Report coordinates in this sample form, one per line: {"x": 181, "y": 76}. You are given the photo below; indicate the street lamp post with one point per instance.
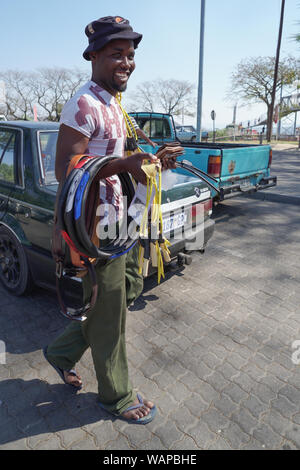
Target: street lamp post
{"x": 200, "y": 79}
{"x": 270, "y": 116}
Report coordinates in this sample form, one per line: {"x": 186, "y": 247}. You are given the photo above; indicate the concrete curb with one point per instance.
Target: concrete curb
{"x": 275, "y": 197}
{"x": 284, "y": 149}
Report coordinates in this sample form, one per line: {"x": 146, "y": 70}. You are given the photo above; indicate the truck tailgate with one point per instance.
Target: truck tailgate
{"x": 244, "y": 161}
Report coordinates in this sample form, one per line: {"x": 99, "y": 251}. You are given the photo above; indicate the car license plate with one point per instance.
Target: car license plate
{"x": 174, "y": 222}
{"x": 245, "y": 183}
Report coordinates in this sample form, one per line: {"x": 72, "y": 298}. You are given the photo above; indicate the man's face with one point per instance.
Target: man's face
{"x": 113, "y": 65}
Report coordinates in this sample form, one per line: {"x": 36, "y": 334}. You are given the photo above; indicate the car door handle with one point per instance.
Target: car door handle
{"x": 197, "y": 151}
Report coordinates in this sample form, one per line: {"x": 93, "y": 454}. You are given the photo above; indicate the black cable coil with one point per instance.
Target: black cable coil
{"x": 71, "y": 220}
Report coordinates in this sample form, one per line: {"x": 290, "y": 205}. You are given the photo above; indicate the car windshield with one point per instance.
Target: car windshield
{"x": 47, "y": 143}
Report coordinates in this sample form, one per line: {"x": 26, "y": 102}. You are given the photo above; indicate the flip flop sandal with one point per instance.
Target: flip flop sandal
{"x": 143, "y": 420}
{"x": 61, "y": 371}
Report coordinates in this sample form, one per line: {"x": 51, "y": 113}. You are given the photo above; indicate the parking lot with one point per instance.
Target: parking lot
{"x": 213, "y": 346}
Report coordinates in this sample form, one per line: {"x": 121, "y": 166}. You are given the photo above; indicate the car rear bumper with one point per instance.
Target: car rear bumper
{"x": 194, "y": 239}
{"x": 185, "y": 247}
{"x": 238, "y": 189}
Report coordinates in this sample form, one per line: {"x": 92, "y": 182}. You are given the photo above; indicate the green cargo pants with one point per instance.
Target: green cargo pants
{"x": 104, "y": 331}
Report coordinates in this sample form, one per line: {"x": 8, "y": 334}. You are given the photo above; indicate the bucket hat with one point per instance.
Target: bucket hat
{"x": 104, "y": 30}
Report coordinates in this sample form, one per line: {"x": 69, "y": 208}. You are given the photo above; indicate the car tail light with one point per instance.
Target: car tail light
{"x": 214, "y": 165}
{"x": 270, "y": 158}
{"x": 201, "y": 209}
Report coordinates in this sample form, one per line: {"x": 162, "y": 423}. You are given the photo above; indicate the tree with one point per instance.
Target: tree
{"x": 252, "y": 80}
{"x": 168, "y": 96}
{"x": 175, "y": 95}
{"x": 53, "y": 87}
{"x": 48, "y": 89}
{"x": 19, "y": 99}
{"x": 144, "y": 97}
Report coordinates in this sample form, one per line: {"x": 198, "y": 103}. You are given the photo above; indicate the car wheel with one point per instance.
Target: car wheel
{"x": 14, "y": 270}
{"x": 193, "y": 139}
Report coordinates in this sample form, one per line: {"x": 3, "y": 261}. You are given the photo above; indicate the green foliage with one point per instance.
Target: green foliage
{"x": 252, "y": 80}
{"x": 6, "y": 172}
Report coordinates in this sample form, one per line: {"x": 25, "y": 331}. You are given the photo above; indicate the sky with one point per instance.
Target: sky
{"x": 39, "y": 33}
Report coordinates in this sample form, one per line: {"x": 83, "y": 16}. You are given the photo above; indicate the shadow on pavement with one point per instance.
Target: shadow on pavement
{"x": 34, "y": 407}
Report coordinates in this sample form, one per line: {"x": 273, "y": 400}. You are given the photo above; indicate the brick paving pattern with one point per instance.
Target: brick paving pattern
{"x": 211, "y": 346}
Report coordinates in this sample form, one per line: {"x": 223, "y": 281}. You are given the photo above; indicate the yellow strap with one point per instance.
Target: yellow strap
{"x": 141, "y": 259}
{"x": 129, "y": 126}
{"x": 151, "y": 170}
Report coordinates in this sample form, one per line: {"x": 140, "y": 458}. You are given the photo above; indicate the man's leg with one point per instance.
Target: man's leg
{"x": 67, "y": 349}
{"x": 134, "y": 280}
{"x": 104, "y": 331}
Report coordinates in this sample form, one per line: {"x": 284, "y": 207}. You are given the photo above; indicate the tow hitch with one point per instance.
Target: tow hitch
{"x": 180, "y": 261}
{"x": 183, "y": 258}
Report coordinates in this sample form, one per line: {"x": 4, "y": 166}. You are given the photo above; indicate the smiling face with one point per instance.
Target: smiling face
{"x": 113, "y": 64}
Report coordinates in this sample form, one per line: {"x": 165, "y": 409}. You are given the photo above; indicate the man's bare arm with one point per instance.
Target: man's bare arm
{"x": 142, "y": 135}
{"x": 71, "y": 142}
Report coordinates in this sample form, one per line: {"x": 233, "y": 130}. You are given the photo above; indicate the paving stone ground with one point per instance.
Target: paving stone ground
{"x": 212, "y": 346}
{"x": 286, "y": 165}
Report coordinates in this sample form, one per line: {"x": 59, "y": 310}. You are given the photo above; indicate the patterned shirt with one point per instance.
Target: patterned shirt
{"x": 95, "y": 113}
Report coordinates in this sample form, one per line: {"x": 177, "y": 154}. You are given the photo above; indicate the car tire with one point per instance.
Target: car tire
{"x": 14, "y": 270}
{"x": 193, "y": 139}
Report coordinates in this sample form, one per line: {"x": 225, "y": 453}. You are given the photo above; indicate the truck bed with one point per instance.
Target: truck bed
{"x": 217, "y": 145}
{"x": 238, "y": 168}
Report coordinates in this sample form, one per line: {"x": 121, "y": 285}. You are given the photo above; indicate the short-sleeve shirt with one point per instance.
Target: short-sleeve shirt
{"x": 96, "y": 114}
{"x": 133, "y": 122}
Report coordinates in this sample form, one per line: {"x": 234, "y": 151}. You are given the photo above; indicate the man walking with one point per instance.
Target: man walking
{"x": 92, "y": 123}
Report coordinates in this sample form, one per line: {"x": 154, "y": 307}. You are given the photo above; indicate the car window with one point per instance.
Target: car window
{"x": 8, "y": 152}
{"x": 155, "y": 128}
{"x": 188, "y": 129}
{"x": 47, "y": 143}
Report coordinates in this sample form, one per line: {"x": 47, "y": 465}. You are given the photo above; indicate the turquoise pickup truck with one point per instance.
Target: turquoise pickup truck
{"x": 237, "y": 168}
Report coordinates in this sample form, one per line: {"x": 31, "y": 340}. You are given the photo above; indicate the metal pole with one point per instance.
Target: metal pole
{"x": 270, "y": 117}
{"x": 279, "y": 111}
{"x": 234, "y": 120}
{"x": 200, "y": 78}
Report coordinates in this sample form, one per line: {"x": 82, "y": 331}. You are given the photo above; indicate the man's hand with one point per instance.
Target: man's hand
{"x": 168, "y": 163}
{"x": 168, "y": 154}
{"x": 153, "y": 144}
{"x": 133, "y": 165}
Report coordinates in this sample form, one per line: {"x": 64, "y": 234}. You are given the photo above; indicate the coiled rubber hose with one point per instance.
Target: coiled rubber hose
{"x": 71, "y": 220}
{"x": 72, "y": 210}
